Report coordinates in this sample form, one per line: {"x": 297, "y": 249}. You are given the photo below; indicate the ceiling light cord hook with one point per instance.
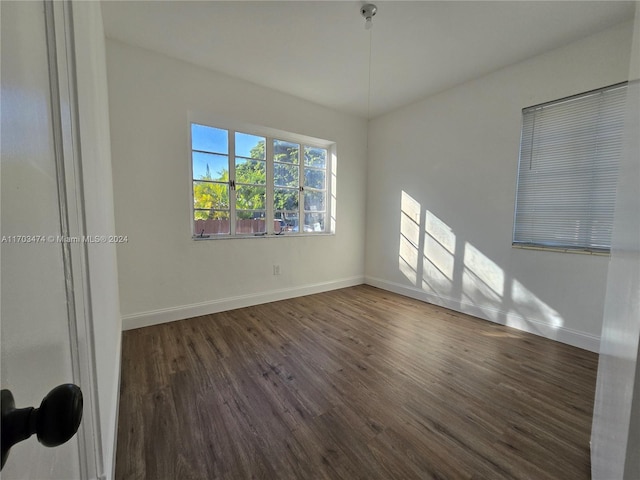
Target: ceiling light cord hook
{"x": 368, "y": 11}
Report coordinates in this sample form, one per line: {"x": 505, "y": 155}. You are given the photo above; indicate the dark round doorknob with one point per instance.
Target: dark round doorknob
{"x": 55, "y": 422}
{"x": 59, "y": 415}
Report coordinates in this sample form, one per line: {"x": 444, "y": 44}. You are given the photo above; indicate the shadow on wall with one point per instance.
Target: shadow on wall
{"x": 435, "y": 261}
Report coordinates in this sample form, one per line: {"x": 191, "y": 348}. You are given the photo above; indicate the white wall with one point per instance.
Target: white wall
{"x": 163, "y": 274}
{"x": 615, "y": 437}
{"x": 95, "y": 146}
{"x": 450, "y": 163}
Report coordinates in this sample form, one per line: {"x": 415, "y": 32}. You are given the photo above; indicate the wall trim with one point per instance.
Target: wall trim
{"x": 571, "y": 337}
{"x": 171, "y": 314}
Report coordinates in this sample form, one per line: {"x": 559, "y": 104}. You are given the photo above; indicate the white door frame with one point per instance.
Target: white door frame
{"x": 64, "y": 105}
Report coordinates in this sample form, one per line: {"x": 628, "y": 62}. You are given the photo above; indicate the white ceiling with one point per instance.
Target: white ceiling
{"x": 319, "y": 51}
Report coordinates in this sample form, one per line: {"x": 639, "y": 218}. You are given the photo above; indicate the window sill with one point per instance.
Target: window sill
{"x": 198, "y": 238}
{"x": 562, "y": 250}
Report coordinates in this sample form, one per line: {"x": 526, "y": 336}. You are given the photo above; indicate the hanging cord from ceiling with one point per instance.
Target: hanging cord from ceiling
{"x": 369, "y": 79}
{"x": 368, "y": 11}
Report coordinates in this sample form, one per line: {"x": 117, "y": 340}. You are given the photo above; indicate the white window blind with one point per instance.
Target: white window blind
{"x": 569, "y": 155}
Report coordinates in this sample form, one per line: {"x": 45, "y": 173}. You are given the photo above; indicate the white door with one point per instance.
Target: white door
{"x": 39, "y": 294}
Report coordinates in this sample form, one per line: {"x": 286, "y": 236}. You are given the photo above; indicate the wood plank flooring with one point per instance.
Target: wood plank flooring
{"x": 356, "y": 383}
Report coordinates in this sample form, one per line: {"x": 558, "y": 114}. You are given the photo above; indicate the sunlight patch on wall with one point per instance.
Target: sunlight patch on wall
{"x": 408, "y": 260}
{"x": 482, "y": 280}
{"x": 438, "y": 255}
{"x": 440, "y": 245}
{"x": 484, "y": 269}
{"x": 528, "y": 305}
{"x": 409, "y": 237}
{"x": 410, "y": 221}
{"x": 432, "y": 257}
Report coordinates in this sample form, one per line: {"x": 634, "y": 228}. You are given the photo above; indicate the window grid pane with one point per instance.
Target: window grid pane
{"x": 251, "y": 172}
{"x": 208, "y": 166}
{"x": 209, "y": 139}
{"x": 211, "y": 222}
{"x": 210, "y": 195}
{"x": 251, "y": 197}
{"x": 286, "y": 175}
{"x": 250, "y": 146}
{"x": 314, "y": 200}
{"x": 285, "y": 152}
{"x": 314, "y": 178}
{"x": 249, "y": 222}
{"x": 315, "y": 157}
{"x": 315, "y": 193}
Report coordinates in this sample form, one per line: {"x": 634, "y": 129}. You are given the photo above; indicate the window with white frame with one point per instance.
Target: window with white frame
{"x": 569, "y": 155}
{"x": 247, "y": 184}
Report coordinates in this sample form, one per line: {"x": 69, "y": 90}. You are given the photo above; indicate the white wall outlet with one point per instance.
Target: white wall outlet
{"x": 276, "y": 269}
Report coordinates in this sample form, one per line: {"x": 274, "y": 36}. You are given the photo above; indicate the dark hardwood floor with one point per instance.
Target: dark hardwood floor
{"x": 356, "y": 383}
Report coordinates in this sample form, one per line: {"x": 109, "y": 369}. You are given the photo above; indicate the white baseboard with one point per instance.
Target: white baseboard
{"x": 155, "y": 317}
{"x": 561, "y": 334}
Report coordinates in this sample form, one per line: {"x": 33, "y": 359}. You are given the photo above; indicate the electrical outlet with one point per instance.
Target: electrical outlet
{"x": 276, "y": 269}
